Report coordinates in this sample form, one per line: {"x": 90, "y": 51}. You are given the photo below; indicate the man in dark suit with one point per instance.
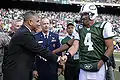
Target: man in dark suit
{"x": 18, "y": 61}
{"x": 50, "y": 41}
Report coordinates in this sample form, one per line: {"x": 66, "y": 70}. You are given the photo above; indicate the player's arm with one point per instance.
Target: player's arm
{"x": 71, "y": 51}
{"x": 64, "y": 47}
{"x": 108, "y": 36}
{"x": 74, "y": 48}
{"x": 110, "y": 47}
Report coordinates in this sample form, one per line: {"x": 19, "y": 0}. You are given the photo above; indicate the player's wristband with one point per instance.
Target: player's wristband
{"x": 105, "y": 58}
{"x": 68, "y": 54}
{"x": 68, "y": 44}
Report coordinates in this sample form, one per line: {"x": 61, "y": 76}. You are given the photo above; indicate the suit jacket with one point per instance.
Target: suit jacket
{"x": 51, "y": 43}
{"x": 18, "y": 61}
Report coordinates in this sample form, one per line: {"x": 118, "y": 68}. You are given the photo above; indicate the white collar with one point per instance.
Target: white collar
{"x": 45, "y": 34}
{"x": 28, "y": 28}
{"x": 71, "y": 36}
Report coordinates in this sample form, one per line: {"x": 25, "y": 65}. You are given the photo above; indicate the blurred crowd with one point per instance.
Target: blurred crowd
{"x": 11, "y": 19}
{"x": 8, "y": 17}
{"x": 64, "y": 1}
{"x": 101, "y": 1}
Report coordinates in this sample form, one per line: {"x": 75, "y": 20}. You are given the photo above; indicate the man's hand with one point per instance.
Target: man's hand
{"x": 100, "y": 63}
{"x": 35, "y": 74}
{"x": 62, "y": 60}
{"x": 54, "y": 52}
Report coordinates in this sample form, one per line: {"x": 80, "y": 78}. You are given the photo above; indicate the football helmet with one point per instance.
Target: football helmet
{"x": 91, "y": 9}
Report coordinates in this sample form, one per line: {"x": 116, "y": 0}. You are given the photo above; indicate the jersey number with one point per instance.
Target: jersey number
{"x": 88, "y": 42}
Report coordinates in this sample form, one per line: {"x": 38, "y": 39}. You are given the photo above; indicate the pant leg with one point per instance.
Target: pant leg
{"x": 101, "y": 73}
{"x": 1, "y": 61}
{"x": 82, "y": 75}
{"x": 1, "y": 77}
{"x": 71, "y": 71}
{"x": 68, "y": 73}
{"x": 85, "y": 75}
{"x": 110, "y": 73}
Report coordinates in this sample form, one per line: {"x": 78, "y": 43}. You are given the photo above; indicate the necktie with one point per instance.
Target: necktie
{"x": 46, "y": 41}
{"x": 45, "y": 36}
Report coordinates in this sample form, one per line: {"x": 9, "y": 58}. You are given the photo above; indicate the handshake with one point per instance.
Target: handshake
{"x": 62, "y": 59}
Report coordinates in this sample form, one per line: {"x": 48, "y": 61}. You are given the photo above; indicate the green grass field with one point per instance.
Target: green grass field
{"x": 117, "y": 60}
{"x": 117, "y": 73}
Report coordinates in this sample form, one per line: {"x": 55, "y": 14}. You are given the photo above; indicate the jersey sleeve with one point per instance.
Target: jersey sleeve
{"x": 76, "y": 35}
{"x": 107, "y": 31}
{"x": 78, "y": 27}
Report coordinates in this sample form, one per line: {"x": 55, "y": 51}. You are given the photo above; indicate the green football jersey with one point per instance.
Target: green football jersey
{"x": 65, "y": 40}
{"x": 92, "y": 45}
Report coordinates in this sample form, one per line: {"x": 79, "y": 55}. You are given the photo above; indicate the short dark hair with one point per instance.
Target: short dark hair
{"x": 70, "y": 24}
{"x": 28, "y": 15}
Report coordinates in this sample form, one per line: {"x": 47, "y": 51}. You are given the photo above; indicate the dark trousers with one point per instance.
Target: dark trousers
{"x": 46, "y": 70}
{"x": 1, "y": 77}
{"x": 110, "y": 74}
{"x": 71, "y": 70}
{"x": 1, "y": 61}
{"x": 10, "y": 74}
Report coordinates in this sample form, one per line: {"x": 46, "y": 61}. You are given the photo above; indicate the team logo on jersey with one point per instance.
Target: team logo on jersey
{"x": 78, "y": 27}
{"x": 88, "y": 66}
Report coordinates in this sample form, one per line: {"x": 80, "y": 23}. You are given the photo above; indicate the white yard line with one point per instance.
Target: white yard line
{"x": 117, "y": 59}
{"x": 117, "y": 70}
